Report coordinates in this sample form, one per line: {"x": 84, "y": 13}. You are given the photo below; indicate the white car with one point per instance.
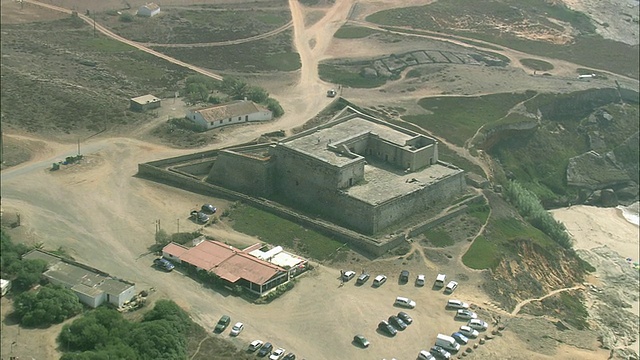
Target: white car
{"x": 478, "y": 324}
{"x": 348, "y": 275}
{"x": 457, "y": 304}
{"x": 278, "y": 354}
{"x": 420, "y": 280}
{"x": 451, "y": 286}
{"x": 255, "y": 345}
{"x": 236, "y": 329}
{"x": 466, "y": 314}
{"x": 425, "y": 355}
{"x": 405, "y": 302}
{"x": 379, "y": 280}
{"x": 468, "y": 332}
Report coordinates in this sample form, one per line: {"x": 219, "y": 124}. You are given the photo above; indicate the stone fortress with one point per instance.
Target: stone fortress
{"x": 356, "y": 171}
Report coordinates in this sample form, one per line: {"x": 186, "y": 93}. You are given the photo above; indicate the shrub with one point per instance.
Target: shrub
{"x": 126, "y": 17}
{"x": 274, "y": 106}
{"x": 531, "y": 209}
{"x": 51, "y": 305}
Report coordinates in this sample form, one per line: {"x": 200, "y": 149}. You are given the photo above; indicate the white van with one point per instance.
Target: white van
{"x": 447, "y": 342}
{"x": 440, "y": 280}
{"x": 405, "y": 302}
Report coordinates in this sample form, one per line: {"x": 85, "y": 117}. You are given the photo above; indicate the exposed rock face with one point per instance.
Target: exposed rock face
{"x": 594, "y": 171}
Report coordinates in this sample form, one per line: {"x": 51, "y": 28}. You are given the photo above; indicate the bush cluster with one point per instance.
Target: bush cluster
{"x": 23, "y": 273}
{"x": 52, "y": 304}
{"x": 531, "y": 209}
{"x": 281, "y": 289}
{"x": 105, "y": 334}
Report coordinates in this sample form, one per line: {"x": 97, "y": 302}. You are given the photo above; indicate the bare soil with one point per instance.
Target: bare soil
{"x": 102, "y": 215}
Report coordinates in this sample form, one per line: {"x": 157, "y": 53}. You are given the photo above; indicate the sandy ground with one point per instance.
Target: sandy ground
{"x": 104, "y": 216}
{"x": 593, "y": 227}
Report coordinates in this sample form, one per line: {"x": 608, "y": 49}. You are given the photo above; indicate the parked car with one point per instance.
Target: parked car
{"x": 277, "y": 354}
{"x": 331, "y": 93}
{"x": 468, "y": 332}
{"x": 466, "y": 314}
{"x": 404, "y": 276}
{"x": 440, "y": 353}
{"x": 289, "y": 356}
{"x": 425, "y": 355}
{"x": 361, "y": 341}
{"x": 208, "y": 208}
{"x": 255, "y": 345}
{"x": 199, "y": 216}
{"x": 451, "y": 286}
{"x": 222, "y": 324}
{"x": 405, "y": 317}
{"x": 265, "y": 349}
{"x": 457, "y": 304}
{"x": 460, "y": 339}
{"x": 387, "y": 328}
{"x": 379, "y": 280}
{"x": 420, "y": 280}
{"x": 163, "y": 264}
{"x": 440, "y": 280}
{"x": 478, "y": 324}
{"x": 348, "y": 275}
{"x": 362, "y": 278}
{"x": 405, "y": 302}
{"x": 397, "y": 322}
{"x": 237, "y": 329}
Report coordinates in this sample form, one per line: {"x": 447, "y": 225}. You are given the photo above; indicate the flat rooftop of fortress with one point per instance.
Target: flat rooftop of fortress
{"x": 382, "y": 184}
{"x": 315, "y": 143}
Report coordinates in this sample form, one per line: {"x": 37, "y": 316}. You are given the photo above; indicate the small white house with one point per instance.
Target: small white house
{"x": 5, "y": 285}
{"x": 586, "y": 76}
{"x": 230, "y": 113}
{"x": 149, "y": 10}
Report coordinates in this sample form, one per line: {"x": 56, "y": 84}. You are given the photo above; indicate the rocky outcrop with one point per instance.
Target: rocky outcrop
{"x": 593, "y": 171}
{"x": 486, "y": 139}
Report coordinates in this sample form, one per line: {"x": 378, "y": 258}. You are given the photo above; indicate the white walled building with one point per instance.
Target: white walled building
{"x": 149, "y": 10}
{"x": 236, "y": 112}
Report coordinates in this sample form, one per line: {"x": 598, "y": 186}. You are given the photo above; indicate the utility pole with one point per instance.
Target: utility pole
{"x": 178, "y": 220}
{"x": 78, "y": 146}
{"x": 94, "y": 23}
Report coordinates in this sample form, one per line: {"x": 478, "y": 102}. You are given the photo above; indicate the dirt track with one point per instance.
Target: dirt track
{"x": 104, "y": 216}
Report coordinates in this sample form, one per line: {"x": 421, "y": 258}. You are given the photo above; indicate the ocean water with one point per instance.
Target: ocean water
{"x": 631, "y": 212}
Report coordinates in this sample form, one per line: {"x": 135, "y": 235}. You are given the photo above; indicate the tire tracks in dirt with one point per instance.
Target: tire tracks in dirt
{"x": 518, "y": 307}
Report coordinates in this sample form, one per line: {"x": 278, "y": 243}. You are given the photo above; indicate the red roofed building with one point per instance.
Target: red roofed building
{"x": 237, "y": 267}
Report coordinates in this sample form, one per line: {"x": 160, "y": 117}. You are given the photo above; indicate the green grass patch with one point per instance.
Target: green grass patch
{"x": 284, "y": 61}
{"x": 278, "y": 231}
{"x": 439, "y": 238}
{"x": 458, "y": 118}
{"x": 338, "y": 75}
{"x": 353, "y": 32}
{"x": 479, "y": 211}
{"x": 536, "y": 64}
{"x": 104, "y": 45}
{"x": 483, "y": 254}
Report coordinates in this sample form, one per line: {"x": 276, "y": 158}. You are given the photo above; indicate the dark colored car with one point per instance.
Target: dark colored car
{"x": 397, "y": 322}
{"x": 265, "y": 349}
{"x": 163, "y": 264}
{"x": 199, "y": 216}
{"x": 387, "y": 328}
{"x": 362, "y": 279}
{"x": 208, "y": 208}
{"x": 289, "y": 356}
{"x": 222, "y": 324}
{"x": 404, "y": 276}
{"x": 405, "y": 317}
{"x": 440, "y": 353}
{"x": 361, "y": 341}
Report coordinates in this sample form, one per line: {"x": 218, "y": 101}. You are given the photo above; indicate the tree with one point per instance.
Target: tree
{"x": 158, "y": 340}
{"x": 257, "y": 94}
{"x": 274, "y": 106}
{"x": 52, "y": 304}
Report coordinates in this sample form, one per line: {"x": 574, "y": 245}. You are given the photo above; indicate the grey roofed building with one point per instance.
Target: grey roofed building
{"x": 92, "y": 286}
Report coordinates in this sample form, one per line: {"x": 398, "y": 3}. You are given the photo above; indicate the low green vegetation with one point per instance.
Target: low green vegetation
{"x": 50, "y": 304}
{"x": 278, "y": 231}
{"x": 185, "y": 25}
{"x": 483, "y": 254}
{"x": 353, "y": 32}
{"x": 439, "y": 238}
{"x": 458, "y": 118}
{"x": 482, "y": 20}
{"x": 530, "y": 208}
{"x": 275, "y": 53}
{"x": 479, "y": 211}
{"x": 536, "y": 64}
{"x": 339, "y": 75}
